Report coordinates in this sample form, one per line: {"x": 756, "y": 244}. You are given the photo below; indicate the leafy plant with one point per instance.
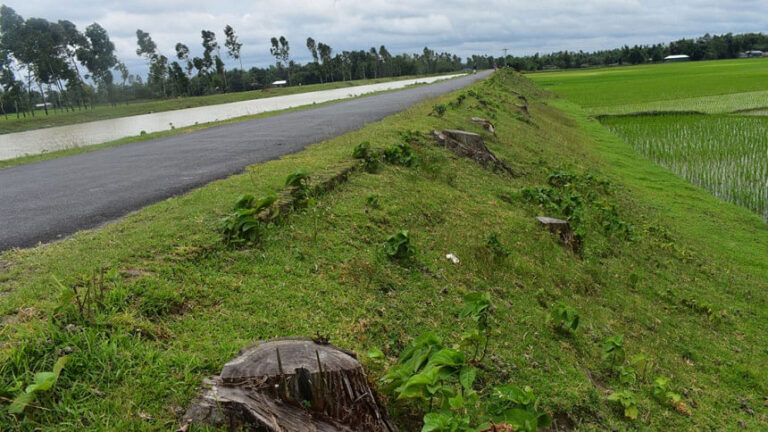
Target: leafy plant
{"x": 494, "y": 244}
{"x": 459, "y": 99}
{"x": 242, "y": 226}
{"x": 372, "y": 163}
{"x": 517, "y": 407}
{"x": 661, "y": 392}
{"x": 477, "y": 306}
{"x": 442, "y": 380}
{"x": 299, "y": 181}
{"x": 439, "y": 109}
{"x": 564, "y": 317}
{"x": 43, "y": 381}
{"x": 400, "y": 154}
{"x": 86, "y": 296}
{"x": 398, "y": 246}
{"x": 613, "y": 225}
{"x": 362, "y": 150}
{"x": 628, "y": 402}
{"x": 566, "y": 202}
{"x": 613, "y": 350}
{"x": 561, "y": 179}
{"x": 642, "y": 363}
{"x": 410, "y": 136}
{"x": 627, "y": 375}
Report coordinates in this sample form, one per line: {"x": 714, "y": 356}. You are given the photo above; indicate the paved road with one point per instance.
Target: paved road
{"x": 47, "y": 200}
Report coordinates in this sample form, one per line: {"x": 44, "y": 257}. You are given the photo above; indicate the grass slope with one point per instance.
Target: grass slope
{"x": 689, "y": 290}
{"x": 10, "y": 123}
{"x": 606, "y": 90}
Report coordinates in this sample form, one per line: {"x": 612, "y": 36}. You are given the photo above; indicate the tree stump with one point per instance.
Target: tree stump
{"x": 471, "y": 145}
{"x": 291, "y": 385}
{"x": 524, "y": 109}
{"x": 563, "y": 229}
{"x": 486, "y": 124}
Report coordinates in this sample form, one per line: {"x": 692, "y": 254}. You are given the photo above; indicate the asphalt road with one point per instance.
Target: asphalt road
{"x": 48, "y": 200}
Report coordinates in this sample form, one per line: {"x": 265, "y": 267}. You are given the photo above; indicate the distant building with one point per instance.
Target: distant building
{"x": 752, "y": 54}
{"x": 676, "y": 58}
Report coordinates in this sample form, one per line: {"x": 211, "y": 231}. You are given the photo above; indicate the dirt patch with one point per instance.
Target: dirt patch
{"x": 135, "y": 273}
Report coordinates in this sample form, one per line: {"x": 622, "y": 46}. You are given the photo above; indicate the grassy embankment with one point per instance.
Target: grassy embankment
{"x": 10, "y": 124}
{"x": 687, "y": 286}
{"x": 722, "y": 148}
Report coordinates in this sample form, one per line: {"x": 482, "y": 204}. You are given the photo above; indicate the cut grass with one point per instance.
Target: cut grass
{"x": 607, "y": 90}
{"x": 179, "y": 305}
{"x": 10, "y": 124}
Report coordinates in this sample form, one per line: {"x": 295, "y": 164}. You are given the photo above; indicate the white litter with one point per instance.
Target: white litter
{"x": 454, "y": 259}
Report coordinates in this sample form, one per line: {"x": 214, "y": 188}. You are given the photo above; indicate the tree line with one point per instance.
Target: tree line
{"x": 707, "y": 47}
{"x": 193, "y": 76}
{"x": 55, "y": 65}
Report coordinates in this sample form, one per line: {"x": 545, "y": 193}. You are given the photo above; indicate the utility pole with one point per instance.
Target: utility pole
{"x": 505, "y": 56}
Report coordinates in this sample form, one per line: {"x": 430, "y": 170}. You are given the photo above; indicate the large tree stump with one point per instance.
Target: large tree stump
{"x": 291, "y": 385}
{"x": 471, "y": 145}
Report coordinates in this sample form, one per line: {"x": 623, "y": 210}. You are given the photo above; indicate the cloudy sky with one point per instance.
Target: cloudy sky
{"x": 462, "y": 27}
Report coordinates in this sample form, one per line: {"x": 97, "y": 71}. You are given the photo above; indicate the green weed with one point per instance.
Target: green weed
{"x": 398, "y": 246}
{"x": 564, "y": 318}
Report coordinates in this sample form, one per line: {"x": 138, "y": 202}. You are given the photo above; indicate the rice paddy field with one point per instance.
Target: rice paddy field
{"x": 705, "y": 121}
{"x": 727, "y": 155}
{"x": 608, "y": 90}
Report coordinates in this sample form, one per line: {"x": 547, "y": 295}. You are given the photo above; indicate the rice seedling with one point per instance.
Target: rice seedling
{"x": 725, "y": 154}
{"x": 754, "y": 102}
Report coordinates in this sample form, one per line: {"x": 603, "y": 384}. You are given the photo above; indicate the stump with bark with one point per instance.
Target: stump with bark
{"x": 471, "y": 145}
{"x": 563, "y": 229}
{"x": 291, "y": 385}
{"x": 486, "y": 124}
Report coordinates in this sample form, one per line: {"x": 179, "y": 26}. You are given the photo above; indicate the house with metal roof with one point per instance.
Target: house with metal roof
{"x": 676, "y": 58}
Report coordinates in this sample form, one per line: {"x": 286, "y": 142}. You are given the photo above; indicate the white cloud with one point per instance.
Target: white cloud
{"x": 462, "y": 27}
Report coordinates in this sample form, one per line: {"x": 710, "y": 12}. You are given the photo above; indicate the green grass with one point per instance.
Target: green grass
{"x": 10, "y": 124}
{"x": 725, "y": 154}
{"x": 755, "y": 102}
{"x": 608, "y": 89}
{"x": 179, "y": 304}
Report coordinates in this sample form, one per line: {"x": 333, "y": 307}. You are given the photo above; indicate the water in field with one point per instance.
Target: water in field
{"x": 725, "y": 154}
{"x": 85, "y": 134}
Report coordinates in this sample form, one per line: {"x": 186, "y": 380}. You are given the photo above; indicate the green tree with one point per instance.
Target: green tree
{"x": 233, "y": 45}
{"x": 282, "y": 53}
{"x": 98, "y": 56}
{"x": 148, "y": 49}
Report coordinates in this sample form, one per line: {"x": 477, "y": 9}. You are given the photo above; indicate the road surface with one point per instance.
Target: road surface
{"x": 48, "y": 200}
{"x": 50, "y": 139}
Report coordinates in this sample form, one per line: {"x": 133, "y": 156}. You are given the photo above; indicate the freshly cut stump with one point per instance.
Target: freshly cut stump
{"x": 563, "y": 228}
{"x": 471, "y": 145}
{"x": 291, "y": 385}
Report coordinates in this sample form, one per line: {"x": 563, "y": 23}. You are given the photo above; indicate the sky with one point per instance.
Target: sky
{"x": 460, "y": 27}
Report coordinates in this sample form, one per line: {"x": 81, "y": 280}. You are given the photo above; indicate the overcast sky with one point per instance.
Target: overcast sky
{"x": 461, "y": 27}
